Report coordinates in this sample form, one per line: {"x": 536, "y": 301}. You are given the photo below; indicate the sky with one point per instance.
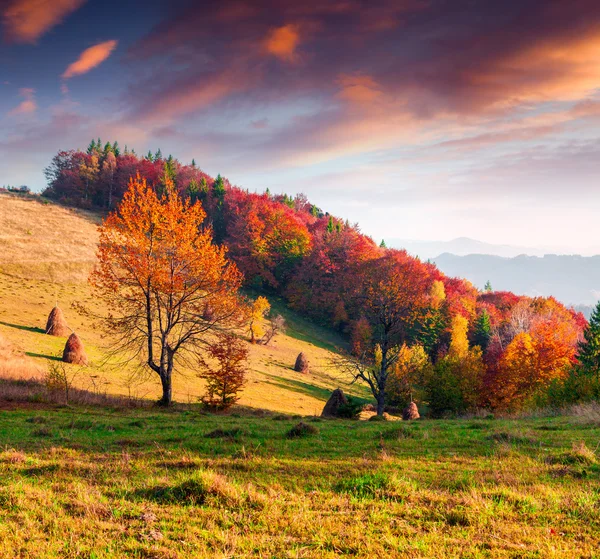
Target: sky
{"x": 418, "y": 119}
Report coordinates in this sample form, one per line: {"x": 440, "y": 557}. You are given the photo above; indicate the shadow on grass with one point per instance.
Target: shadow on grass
{"x": 42, "y": 356}
{"x": 21, "y": 327}
{"x": 299, "y": 386}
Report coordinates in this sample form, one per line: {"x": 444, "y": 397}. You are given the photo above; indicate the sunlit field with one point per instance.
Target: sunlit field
{"x": 48, "y": 252}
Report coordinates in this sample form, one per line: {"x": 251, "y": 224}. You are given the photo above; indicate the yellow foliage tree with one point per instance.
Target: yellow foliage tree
{"x": 459, "y": 343}
{"x": 409, "y": 373}
{"x": 259, "y": 309}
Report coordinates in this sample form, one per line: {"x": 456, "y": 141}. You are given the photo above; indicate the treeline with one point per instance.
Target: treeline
{"x": 429, "y": 337}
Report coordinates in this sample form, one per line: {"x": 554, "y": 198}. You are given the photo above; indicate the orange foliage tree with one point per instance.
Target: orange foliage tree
{"x": 226, "y": 376}
{"x": 158, "y": 271}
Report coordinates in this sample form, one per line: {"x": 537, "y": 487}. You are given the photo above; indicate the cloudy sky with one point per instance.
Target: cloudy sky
{"x": 420, "y": 119}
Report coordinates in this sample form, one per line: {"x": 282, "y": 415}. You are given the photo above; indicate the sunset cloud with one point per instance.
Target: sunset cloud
{"x": 90, "y": 58}
{"x": 282, "y": 42}
{"x": 28, "y": 105}
{"x": 25, "y": 21}
{"x": 358, "y": 89}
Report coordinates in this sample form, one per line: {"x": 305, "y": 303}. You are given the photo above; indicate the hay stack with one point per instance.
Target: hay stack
{"x": 410, "y": 412}
{"x": 337, "y": 399}
{"x": 56, "y": 325}
{"x": 74, "y": 352}
{"x": 301, "y": 365}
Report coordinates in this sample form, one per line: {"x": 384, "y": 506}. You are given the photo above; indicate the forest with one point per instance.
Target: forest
{"x": 412, "y": 332}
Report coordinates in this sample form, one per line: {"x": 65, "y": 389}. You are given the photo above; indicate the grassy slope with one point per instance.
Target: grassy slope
{"x": 47, "y": 252}
{"x": 149, "y": 484}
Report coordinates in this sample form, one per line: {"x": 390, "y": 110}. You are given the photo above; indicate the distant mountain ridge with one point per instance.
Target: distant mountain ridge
{"x": 572, "y": 279}
{"x": 462, "y": 246}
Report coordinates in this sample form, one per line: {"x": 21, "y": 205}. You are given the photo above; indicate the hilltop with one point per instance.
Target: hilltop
{"x": 48, "y": 251}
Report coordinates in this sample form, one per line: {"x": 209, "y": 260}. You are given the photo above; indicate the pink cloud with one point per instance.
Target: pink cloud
{"x": 28, "y": 105}
{"x": 90, "y": 58}
{"x": 25, "y": 21}
{"x": 282, "y": 42}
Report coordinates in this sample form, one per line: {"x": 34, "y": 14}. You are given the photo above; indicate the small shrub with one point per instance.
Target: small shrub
{"x": 302, "y": 430}
{"x": 42, "y": 432}
{"x": 38, "y": 420}
{"x": 231, "y": 434}
{"x": 579, "y": 455}
{"x": 351, "y": 409}
{"x": 401, "y": 432}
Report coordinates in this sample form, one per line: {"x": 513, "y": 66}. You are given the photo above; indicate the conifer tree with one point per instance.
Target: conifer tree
{"x": 92, "y": 147}
{"x": 488, "y": 287}
{"x": 116, "y": 149}
{"x": 158, "y": 155}
{"x": 589, "y": 348}
{"x": 149, "y": 156}
{"x": 483, "y": 330}
{"x": 330, "y": 225}
{"x": 382, "y": 244}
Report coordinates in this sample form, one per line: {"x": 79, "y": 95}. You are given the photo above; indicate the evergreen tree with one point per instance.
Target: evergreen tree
{"x": 158, "y": 155}
{"x": 483, "y": 330}
{"x": 126, "y": 150}
{"x": 107, "y": 148}
{"x": 92, "y": 147}
{"x": 218, "y": 192}
{"x": 589, "y": 348}
{"x": 488, "y": 287}
{"x": 330, "y": 225}
{"x": 194, "y": 163}
{"x": 149, "y": 156}
{"x": 116, "y": 149}
{"x": 382, "y": 245}
{"x": 268, "y": 192}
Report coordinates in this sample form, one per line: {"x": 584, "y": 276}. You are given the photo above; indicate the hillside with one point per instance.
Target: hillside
{"x": 572, "y": 279}
{"x": 47, "y": 252}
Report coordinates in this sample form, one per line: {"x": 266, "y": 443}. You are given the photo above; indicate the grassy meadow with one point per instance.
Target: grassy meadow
{"x": 108, "y": 483}
{"x": 112, "y": 481}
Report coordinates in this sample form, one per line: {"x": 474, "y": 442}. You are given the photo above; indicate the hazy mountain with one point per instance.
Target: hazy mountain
{"x": 574, "y": 280}
{"x": 461, "y": 247}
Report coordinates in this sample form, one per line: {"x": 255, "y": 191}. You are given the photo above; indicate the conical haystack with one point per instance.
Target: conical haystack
{"x": 74, "y": 352}
{"x": 301, "y": 365}
{"x": 337, "y": 399}
{"x": 56, "y": 325}
{"x": 410, "y": 412}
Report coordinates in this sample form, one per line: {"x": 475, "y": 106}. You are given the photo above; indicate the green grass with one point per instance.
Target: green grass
{"x": 113, "y": 483}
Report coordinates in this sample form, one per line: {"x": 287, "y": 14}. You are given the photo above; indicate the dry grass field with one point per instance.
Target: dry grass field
{"x": 46, "y": 253}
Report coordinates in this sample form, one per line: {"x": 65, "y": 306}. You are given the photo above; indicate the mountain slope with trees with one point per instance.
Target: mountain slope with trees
{"x": 492, "y": 349}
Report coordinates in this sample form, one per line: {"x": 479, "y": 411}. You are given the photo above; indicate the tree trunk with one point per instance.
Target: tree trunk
{"x": 380, "y": 402}
{"x": 166, "y": 375}
{"x": 167, "y": 389}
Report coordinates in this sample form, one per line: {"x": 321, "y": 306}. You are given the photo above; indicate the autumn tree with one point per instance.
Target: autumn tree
{"x": 454, "y": 387}
{"x": 410, "y": 372}
{"x": 158, "y": 270}
{"x": 393, "y": 297}
{"x": 258, "y": 310}
{"x": 225, "y": 371}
